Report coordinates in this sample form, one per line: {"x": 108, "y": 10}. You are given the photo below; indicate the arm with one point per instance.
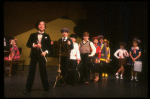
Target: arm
{"x": 30, "y": 42}
{"x": 115, "y": 54}
{"x": 93, "y": 49}
{"x": 99, "y": 53}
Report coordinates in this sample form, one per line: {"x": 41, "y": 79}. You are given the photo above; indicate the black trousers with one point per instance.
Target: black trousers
{"x": 64, "y": 66}
{"x": 71, "y": 73}
{"x": 84, "y": 70}
{"x": 42, "y": 69}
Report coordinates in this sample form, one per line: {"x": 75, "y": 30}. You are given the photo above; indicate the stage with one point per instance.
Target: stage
{"x": 108, "y": 87}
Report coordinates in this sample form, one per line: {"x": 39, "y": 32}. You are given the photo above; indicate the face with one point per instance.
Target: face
{"x": 65, "y": 34}
{"x": 105, "y": 43}
{"x": 95, "y": 41}
{"x": 134, "y": 43}
{"x": 121, "y": 46}
{"x": 85, "y": 38}
{"x": 41, "y": 26}
{"x": 101, "y": 40}
{"x": 73, "y": 39}
{"x": 13, "y": 42}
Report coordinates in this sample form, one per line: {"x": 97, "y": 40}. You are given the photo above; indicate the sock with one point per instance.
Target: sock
{"x": 135, "y": 77}
{"x": 117, "y": 74}
{"x": 132, "y": 77}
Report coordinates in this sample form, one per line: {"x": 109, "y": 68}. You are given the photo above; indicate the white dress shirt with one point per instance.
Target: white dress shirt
{"x": 64, "y": 38}
{"x": 75, "y": 53}
{"x": 92, "y": 46}
{"x": 39, "y": 39}
{"x": 121, "y": 52}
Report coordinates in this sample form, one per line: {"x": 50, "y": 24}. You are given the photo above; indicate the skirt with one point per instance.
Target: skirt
{"x": 122, "y": 62}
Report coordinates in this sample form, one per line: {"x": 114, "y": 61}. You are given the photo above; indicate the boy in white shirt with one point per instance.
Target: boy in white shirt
{"x": 74, "y": 59}
{"x": 122, "y": 58}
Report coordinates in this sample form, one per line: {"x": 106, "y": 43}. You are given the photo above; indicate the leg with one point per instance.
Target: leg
{"x": 122, "y": 70}
{"x": 87, "y": 71}
{"x": 31, "y": 74}
{"x": 43, "y": 72}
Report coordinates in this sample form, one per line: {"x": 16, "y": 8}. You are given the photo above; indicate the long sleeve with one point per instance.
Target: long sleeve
{"x": 78, "y": 53}
{"x": 115, "y": 54}
{"x": 30, "y": 41}
{"x": 93, "y": 49}
{"x": 127, "y": 54}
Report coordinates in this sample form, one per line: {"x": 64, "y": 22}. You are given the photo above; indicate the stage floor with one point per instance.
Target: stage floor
{"x": 108, "y": 87}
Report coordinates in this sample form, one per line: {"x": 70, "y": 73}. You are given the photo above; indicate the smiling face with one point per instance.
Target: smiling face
{"x": 121, "y": 46}
{"x": 134, "y": 43}
{"x": 101, "y": 40}
{"x": 105, "y": 43}
{"x": 85, "y": 38}
{"x": 65, "y": 34}
{"x": 41, "y": 26}
{"x": 13, "y": 42}
{"x": 95, "y": 41}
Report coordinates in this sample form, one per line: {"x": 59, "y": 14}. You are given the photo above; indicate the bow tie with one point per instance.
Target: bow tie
{"x": 40, "y": 33}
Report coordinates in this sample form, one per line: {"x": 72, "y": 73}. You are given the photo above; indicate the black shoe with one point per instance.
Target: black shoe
{"x": 48, "y": 90}
{"x": 26, "y": 91}
{"x": 74, "y": 84}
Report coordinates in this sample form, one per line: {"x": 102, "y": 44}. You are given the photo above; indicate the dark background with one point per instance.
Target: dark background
{"x": 117, "y": 21}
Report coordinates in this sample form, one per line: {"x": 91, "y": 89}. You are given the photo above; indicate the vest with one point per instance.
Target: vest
{"x": 85, "y": 48}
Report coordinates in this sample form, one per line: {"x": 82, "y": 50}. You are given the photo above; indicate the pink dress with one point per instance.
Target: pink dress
{"x": 16, "y": 55}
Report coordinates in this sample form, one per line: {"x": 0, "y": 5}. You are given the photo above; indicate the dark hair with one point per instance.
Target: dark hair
{"x": 94, "y": 38}
{"x": 73, "y": 35}
{"x": 100, "y": 37}
{"x": 136, "y": 40}
{"x": 86, "y": 34}
{"x": 122, "y": 43}
{"x": 64, "y": 30}
{"x": 37, "y": 24}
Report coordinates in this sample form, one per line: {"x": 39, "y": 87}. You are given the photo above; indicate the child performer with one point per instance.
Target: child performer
{"x": 103, "y": 59}
{"x": 106, "y": 43}
{"x": 96, "y": 57}
{"x": 65, "y": 59}
{"x": 135, "y": 54}
{"x": 14, "y": 51}
{"x": 85, "y": 47}
{"x": 122, "y": 61}
{"x": 74, "y": 56}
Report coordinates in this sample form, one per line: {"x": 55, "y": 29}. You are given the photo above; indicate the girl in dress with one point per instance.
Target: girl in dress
{"x": 14, "y": 51}
{"x": 122, "y": 59}
{"x": 135, "y": 53}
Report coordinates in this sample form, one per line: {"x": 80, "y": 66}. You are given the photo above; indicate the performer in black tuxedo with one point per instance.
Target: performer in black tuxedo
{"x": 65, "y": 59}
{"x": 36, "y": 42}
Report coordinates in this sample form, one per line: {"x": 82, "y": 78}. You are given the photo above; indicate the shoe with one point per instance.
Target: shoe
{"x": 106, "y": 75}
{"x": 117, "y": 75}
{"x": 121, "y": 77}
{"x": 131, "y": 78}
{"x": 26, "y": 91}
{"x": 103, "y": 74}
{"x": 136, "y": 79}
{"x": 86, "y": 83}
{"x": 48, "y": 90}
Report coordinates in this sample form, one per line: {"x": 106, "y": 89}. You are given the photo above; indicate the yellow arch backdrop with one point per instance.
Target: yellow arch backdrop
{"x": 53, "y": 29}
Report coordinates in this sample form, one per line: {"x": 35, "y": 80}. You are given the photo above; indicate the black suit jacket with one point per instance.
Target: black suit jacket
{"x": 45, "y": 42}
{"x": 71, "y": 46}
